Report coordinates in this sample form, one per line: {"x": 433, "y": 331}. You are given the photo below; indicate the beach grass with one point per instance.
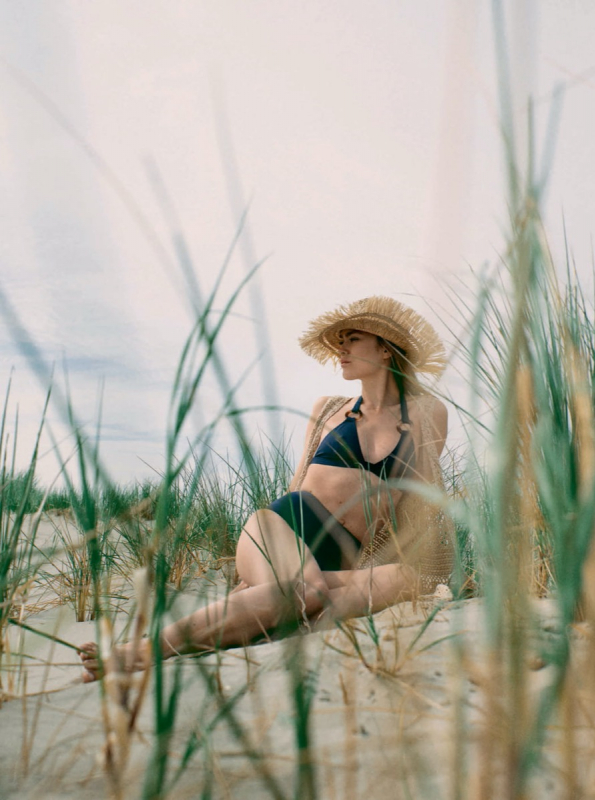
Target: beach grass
{"x": 524, "y": 520}
{"x": 523, "y": 516}
{"x": 522, "y": 498}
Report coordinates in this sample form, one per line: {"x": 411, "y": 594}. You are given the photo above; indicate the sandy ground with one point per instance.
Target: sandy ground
{"x": 381, "y": 722}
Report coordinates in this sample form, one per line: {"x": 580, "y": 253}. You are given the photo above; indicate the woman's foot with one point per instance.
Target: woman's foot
{"x": 124, "y": 658}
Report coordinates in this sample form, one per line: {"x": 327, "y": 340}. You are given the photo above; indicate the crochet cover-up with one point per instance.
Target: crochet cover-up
{"x": 420, "y": 533}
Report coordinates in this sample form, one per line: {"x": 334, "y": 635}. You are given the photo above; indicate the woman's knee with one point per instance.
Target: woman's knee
{"x": 255, "y": 535}
{"x": 255, "y": 525}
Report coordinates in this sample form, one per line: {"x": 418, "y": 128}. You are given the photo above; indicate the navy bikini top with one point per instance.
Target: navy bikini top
{"x": 341, "y": 448}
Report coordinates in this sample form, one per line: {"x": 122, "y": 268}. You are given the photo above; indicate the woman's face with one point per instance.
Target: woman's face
{"x": 361, "y": 356}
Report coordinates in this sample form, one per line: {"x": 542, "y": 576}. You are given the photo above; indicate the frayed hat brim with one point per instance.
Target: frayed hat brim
{"x": 382, "y": 316}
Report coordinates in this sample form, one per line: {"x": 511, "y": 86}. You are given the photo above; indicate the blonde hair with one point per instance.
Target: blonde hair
{"x": 401, "y": 368}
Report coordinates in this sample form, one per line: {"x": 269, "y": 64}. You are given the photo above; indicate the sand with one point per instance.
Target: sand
{"x": 382, "y": 719}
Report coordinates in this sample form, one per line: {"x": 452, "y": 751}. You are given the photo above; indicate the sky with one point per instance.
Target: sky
{"x": 360, "y": 141}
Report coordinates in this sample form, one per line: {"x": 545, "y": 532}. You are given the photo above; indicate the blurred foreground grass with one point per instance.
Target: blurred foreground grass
{"x": 522, "y": 496}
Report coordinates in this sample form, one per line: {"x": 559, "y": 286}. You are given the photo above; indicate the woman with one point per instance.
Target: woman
{"x": 352, "y": 536}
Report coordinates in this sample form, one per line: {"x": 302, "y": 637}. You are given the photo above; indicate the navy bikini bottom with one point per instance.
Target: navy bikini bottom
{"x": 332, "y": 545}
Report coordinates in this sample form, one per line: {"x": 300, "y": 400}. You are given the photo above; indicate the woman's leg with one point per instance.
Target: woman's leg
{"x": 284, "y": 580}
{"x": 240, "y": 617}
{"x": 269, "y": 551}
{"x": 355, "y": 593}
{"x": 235, "y": 620}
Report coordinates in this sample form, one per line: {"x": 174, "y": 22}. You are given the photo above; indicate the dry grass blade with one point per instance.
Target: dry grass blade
{"x": 125, "y": 691}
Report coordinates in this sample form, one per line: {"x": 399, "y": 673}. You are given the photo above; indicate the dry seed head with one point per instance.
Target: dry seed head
{"x": 140, "y": 581}
{"x": 105, "y": 637}
{"x": 582, "y": 417}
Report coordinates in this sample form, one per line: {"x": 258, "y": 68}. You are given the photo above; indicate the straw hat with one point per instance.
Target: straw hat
{"x": 382, "y": 316}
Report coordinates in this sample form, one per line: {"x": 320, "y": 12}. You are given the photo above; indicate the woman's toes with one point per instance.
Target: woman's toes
{"x": 90, "y": 670}
{"x": 122, "y": 659}
{"x": 88, "y": 655}
{"x": 88, "y": 676}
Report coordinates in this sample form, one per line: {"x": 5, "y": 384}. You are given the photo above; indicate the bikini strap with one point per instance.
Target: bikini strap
{"x": 404, "y": 410}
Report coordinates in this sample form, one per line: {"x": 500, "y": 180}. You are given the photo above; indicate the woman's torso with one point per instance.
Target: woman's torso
{"x": 359, "y": 498}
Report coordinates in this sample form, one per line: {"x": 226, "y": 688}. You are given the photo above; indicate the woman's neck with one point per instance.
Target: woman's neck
{"x": 379, "y": 394}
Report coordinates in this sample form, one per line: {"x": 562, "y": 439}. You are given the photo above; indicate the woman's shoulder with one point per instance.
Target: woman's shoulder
{"x": 327, "y": 402}
{"x": 319, "y": 404}
{"x": 429, "y": 405}
{"x": 326, "y": 407}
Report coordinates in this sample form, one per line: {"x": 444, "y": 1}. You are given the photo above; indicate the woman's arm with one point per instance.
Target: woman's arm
{"x": 316, "y": 410}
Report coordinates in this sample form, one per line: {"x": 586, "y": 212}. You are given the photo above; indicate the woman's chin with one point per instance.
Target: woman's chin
{"x": 348, "y": 375}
